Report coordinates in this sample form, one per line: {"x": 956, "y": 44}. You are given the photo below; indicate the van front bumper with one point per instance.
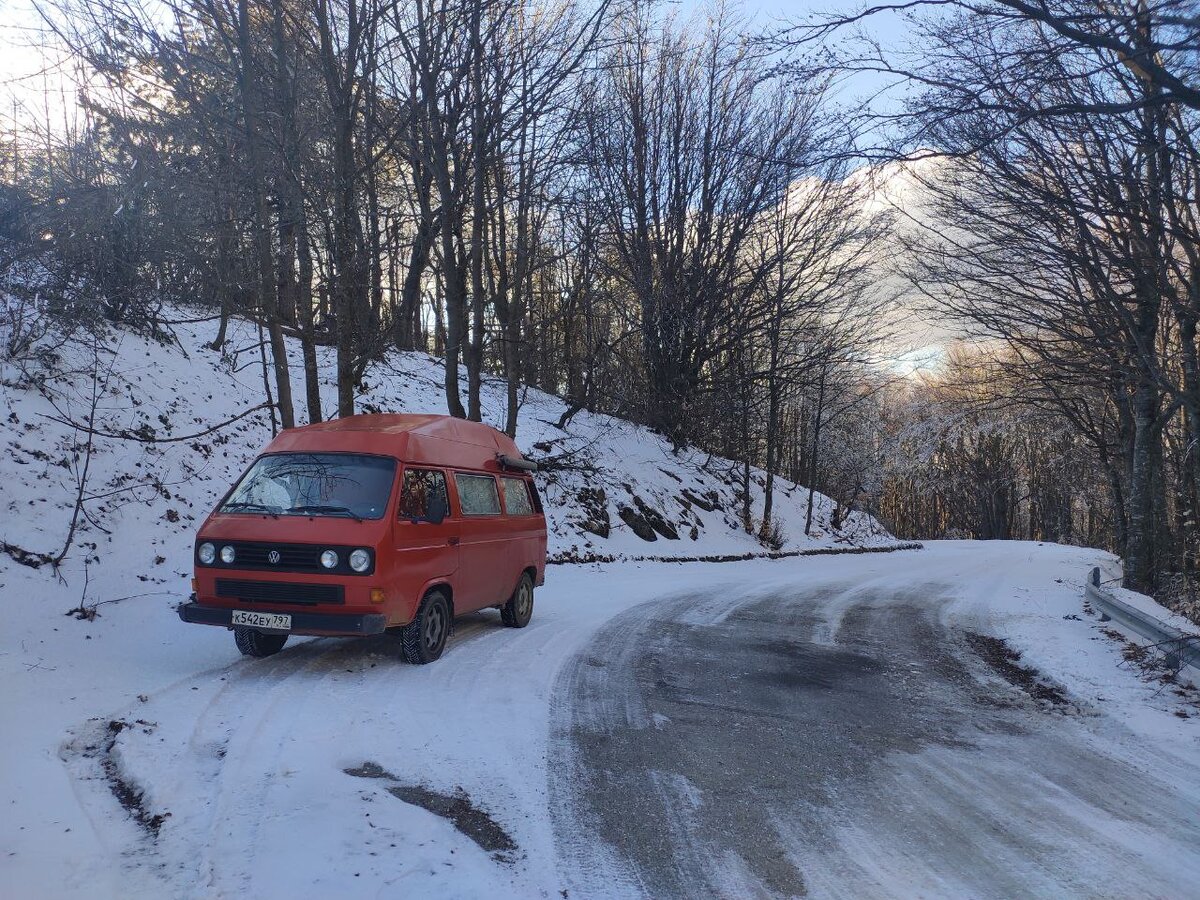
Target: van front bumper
{"x": 302, "y": 622}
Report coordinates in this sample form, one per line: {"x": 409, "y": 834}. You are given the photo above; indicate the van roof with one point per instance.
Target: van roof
{"x": 417, "y": 438}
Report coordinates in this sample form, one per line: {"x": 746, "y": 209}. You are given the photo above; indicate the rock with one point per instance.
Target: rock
{"x": 656, "y": 520}
{"x": 595, "y": 504}
{"x": 640, "y": 526}
{"x": 710, "y": 501}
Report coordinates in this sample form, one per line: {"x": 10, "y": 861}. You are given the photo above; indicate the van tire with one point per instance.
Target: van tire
{"x": 257, "y": 643}
{"x": 424, "y": 638}
{"x": 517, "y": 612}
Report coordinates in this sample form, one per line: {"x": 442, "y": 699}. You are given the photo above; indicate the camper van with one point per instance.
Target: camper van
{"x": 368, "y": 524}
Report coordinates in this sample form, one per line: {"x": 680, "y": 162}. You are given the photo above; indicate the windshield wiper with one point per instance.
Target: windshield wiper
{"x": 327, "y": 511}
{"x": 251, "y": 507}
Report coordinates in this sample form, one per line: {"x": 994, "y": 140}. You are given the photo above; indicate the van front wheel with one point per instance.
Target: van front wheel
{"x": 256, "y": 643}
{"x": 424, "y": 638}
{"x": 517, "y": 612}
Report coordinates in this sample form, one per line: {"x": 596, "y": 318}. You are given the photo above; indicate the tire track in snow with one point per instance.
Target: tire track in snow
{"x": 297, "y": 681}
{"x": 223, "y": 767}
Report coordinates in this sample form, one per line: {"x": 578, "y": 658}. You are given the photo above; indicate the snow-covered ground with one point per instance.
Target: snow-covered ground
{"x": 241, "y": 765}
{"x": 145, "y": 758}
{"x": 131, "y": 557}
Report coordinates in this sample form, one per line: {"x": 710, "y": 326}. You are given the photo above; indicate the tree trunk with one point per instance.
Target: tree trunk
{"x": 455, "y": 291}
{"x": 816, "y": 444}
{"x": 251, "y": 107}
{"x": 772, "y": 449}
{"x": 225, "y": 239}
{"x": 308, "y": 344}
{"x": 1140, "y": 562}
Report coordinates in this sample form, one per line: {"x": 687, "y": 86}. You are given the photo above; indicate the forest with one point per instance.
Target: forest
{"x": 682, "y": 217}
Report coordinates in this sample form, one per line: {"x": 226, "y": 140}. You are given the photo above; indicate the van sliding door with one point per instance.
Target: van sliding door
{"x": 426, "y": 550}
{"x": 486, "y": 543}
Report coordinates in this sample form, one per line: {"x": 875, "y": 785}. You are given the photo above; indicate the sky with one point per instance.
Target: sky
{"x": 21, "y": 61}
{"x": 22, "y": 65}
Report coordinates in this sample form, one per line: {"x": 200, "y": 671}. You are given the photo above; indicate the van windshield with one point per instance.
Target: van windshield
{"x": 315, "y": 484}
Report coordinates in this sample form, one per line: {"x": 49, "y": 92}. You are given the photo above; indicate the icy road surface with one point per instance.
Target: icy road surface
{"x": 819, "y": 726}
{"x": 845, "y": 742}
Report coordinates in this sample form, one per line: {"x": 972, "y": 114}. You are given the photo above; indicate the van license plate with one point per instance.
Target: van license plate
{"x": 279, "y": 621}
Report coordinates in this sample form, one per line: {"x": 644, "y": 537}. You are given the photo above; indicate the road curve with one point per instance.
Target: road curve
{"x": 768, "y": 746}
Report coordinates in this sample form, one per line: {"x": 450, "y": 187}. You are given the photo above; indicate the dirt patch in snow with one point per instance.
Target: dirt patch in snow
{"x": 97, "y": 742}
{"x": 1003, "y": 660}
{"x": 129, "y": 796}
{"x": 26, "y": 557}
{"x": 457, "y": 808}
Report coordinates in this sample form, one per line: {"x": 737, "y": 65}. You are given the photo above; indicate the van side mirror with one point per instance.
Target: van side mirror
{"x": 436, "y": 510}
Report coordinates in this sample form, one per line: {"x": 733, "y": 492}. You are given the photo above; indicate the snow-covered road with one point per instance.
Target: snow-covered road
{"x": 847, "y": 741}
{"x": 758, "y": 728}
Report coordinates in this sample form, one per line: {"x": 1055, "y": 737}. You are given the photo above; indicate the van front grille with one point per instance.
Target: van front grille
{"x": 302, "y": 558}
{"x": 280, "y": 592}
{"x": 292, "y": 557}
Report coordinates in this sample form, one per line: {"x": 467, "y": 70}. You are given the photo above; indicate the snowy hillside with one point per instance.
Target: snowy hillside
{"x": 612, "y": 489}
{"x": 900, "y": 192}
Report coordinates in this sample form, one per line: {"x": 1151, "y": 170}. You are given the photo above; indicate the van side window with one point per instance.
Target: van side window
{"x": 421, "y": 486}
{"x": 477, "y": 494}
{"x": 516, "y": 497}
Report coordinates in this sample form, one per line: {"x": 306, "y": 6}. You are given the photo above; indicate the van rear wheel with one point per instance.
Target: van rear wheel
{"x": 517, "y": 612}
{"x": 424, "y": 638}
{"x": 257, "y": 643}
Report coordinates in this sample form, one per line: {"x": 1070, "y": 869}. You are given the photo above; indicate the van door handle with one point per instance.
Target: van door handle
{"x": 453, "y": 542}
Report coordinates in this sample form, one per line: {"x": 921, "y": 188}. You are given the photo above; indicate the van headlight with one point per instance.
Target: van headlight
{"x": 227, "y": 555}
{"x": 360, "y": 560}
{"x": 329, "y": 559}
{"x": 207, "y": 553}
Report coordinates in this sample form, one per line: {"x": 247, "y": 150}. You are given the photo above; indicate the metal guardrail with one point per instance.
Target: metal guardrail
{"x": 1178, "y": 647}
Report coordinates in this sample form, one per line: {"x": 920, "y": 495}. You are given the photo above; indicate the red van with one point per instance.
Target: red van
{"x": 372, "y": 523}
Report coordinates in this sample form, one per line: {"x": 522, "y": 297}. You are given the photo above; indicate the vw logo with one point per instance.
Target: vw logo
{"x": 273, "y": 557}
